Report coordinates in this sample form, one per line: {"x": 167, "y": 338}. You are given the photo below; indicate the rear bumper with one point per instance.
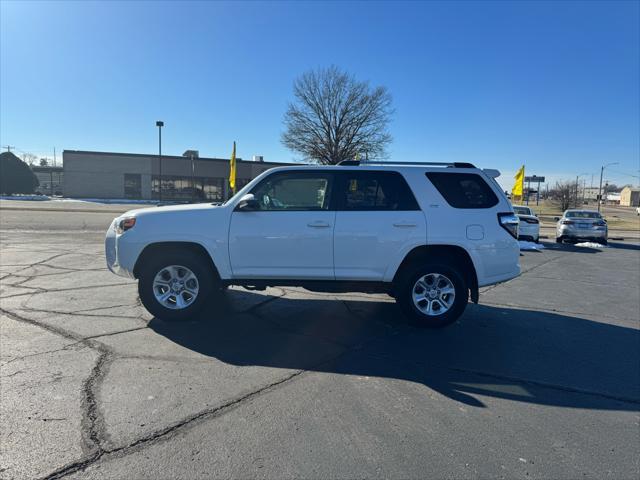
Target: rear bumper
{"x": 498, "y": 264}
{"x": 528, "y": 230}
{"x": 582, "y": 233}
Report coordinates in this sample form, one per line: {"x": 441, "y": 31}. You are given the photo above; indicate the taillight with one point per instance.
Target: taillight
{"x": 125, "y": 224}
{"x": 567, "y": 222}
{"x": 529, "y": 220}
{"x": 600, "y": 223}
{"x": 509, "y": 221}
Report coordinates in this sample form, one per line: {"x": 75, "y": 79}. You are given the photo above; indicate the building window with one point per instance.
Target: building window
{"x": 188, "y": 189}
{"x": 132, "y": 185}
{"x": 242, "y": 182}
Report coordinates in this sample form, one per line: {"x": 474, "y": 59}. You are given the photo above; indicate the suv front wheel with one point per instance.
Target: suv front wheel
{"x": 432, "y": 295}
{"x": 176, "y": 285}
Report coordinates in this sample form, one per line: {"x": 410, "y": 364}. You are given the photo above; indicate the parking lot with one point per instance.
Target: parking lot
{"x": 541, "y": 380}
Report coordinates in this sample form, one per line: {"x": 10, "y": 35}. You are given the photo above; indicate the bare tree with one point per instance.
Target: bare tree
{"x": 29, "y": 158}
{"x": 563, "y": 194}
{"x": 334, "y": 117}
{"x": 44, "y": 162}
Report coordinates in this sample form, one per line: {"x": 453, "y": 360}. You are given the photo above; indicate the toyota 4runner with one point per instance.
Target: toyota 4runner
{"x": 427, "y": 234}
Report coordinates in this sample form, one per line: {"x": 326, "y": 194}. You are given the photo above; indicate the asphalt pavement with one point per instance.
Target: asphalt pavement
{"x": 541, "y": 380}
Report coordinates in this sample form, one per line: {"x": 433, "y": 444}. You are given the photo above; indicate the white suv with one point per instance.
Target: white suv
{"x": 428, "y": 234}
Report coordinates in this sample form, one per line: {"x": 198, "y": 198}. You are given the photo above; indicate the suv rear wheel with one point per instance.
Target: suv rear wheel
{"x": 176, "y": 285}
{"x": 432, "y": 295}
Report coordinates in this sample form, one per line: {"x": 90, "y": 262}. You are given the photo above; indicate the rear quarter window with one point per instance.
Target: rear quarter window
{"x": 463, "y": 190}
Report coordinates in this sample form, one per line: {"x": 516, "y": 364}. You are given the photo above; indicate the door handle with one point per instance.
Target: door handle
{"x": 404, "y": 225}
{"x": 318, "y": 225}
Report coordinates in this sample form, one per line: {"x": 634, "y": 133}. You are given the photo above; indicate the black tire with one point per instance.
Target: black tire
{"x": 404, "y": 295}
{"x": 559, "y": 239}
{"x": 206, "y": 282}
{"x": 604, "y": 241}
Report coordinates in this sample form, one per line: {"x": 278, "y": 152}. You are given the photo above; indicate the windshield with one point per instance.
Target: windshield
{"x": 522, "y": 210}
{"x": 582, "y": 215}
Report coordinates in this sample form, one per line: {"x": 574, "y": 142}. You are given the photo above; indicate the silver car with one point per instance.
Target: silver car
{"x": 581, "y": 225}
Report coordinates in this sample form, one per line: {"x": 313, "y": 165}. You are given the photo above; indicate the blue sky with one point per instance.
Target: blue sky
{"x": 553, "y": 85}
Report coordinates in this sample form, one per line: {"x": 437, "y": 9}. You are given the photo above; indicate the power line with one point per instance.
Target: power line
{"x": 623, "y": 173}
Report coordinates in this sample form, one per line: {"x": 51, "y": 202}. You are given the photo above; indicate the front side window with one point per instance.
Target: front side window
{"x": 376, "y": 191}
{"x": 463, "y": 190}
{"x": 294, "y": 191}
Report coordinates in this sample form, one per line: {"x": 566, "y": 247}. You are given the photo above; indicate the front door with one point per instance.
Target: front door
{"x": 290, "y": 235}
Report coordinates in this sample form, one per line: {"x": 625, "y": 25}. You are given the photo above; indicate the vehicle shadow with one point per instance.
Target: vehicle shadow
{"x": 624, "y": 246}
{"x": 521, "y": 355}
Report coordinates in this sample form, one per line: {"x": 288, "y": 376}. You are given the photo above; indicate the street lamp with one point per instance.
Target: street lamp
{"x": 160, "y": 124}
{"x": 600, "y": 188}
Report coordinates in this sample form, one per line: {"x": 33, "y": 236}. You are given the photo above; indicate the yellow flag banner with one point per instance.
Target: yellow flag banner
{"x": 232, "y": 169}
{"x": 518, "y": 187}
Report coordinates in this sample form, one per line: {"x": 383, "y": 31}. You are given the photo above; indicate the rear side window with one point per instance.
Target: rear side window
{"x": 375, "y": 191}
{"x": 463, "y": 190}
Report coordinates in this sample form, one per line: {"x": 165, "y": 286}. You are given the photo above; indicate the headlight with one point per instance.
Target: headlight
{"x": 125, "y": 224}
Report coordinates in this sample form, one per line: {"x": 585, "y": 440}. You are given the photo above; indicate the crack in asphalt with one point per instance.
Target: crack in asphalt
{"x": 55, "y": 290}
{"x": 15, "y": 359}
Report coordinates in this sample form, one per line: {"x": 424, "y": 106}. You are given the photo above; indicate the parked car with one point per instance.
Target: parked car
{"x": 427, "y": 235}
{"x": 529, "y": 228}
{"x": 578, "y": 225}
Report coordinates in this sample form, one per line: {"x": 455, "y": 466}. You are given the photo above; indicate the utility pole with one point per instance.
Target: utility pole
{"x": 8, "y": 147}
{"x": 600, "y": 188}
{"x": 160, "y": 124}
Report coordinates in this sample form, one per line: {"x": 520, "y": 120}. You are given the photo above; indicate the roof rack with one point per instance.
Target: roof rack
{"x": 352, "y": 163}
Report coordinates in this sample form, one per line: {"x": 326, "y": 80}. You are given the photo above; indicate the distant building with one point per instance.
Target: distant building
{"x": 137, "y": 176}
{"x": 630, "y": 197}
{"x": 50, "y": 179}
{"x": 591, "y": 193}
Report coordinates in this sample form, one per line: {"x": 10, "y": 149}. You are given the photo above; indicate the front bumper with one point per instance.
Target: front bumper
{"x": 120, "y": 253}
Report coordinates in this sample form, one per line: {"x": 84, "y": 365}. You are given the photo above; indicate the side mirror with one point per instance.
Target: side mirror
{"x": 556, "y": 218}
{"x": 248, "y": 203}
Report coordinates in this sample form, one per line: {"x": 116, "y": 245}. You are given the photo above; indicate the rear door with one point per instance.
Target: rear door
{"x": 377, "y": 219}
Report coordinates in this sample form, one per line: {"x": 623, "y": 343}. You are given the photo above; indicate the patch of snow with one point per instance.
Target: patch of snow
{"x": 109, "y": 200}
{"x": 40, "y": 198}
{"x": 36, "y": 198}
{"x": 590, "y": 245}
{"x": 524, "y": 245}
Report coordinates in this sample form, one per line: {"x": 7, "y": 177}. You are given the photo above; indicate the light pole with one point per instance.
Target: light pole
{"x": 160, "y": 124}
{"x": 600, "y": 188}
